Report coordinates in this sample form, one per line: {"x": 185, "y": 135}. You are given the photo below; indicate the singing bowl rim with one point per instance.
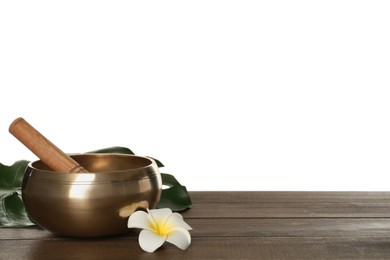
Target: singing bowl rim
{"x": 146, "y": 168}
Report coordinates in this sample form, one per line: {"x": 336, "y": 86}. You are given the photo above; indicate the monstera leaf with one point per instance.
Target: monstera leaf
{"x": 175, "y": 196}
{"x": 13, "y": 212}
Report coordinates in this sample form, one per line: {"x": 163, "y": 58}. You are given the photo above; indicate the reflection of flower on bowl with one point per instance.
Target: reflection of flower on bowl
{"x": 91, "y": 204}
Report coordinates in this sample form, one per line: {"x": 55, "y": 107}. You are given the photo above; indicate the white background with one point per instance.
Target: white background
{"x": 229, "y": 95}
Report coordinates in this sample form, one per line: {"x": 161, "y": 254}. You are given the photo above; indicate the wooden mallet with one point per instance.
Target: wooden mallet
{"x": 50, "y": 154}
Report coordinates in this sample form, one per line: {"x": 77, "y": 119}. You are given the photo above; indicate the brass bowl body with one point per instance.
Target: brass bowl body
{"x": 91, "y": 204}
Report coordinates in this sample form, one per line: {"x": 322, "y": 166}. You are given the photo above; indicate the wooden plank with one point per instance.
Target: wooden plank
{"x": 294, "y": 227}
{"x": 289, "y": 210}
{"x": 70, "y": 249}
{"x": 204, "y": 248}
{"x": 35, "y": 233}
{"x": 252, "y": 227}
{"x": 24, "y": 233}
{"x": 225, "y": 197}
{"x": 289, "y": 204}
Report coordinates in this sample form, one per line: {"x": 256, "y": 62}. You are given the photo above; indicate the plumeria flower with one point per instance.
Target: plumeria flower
{"x": 160, "y": 225}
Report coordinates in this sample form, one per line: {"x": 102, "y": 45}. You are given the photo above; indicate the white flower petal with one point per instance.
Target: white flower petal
{"x": 160, "y": 215}
{"x": 140, "y": 219}
{"x": 150, "y": 241}
{"x": 160, "y": 225}
{"x": 180, "y": 238}
{"x": 176, "y": 220}
{"x": 178, "y": 215}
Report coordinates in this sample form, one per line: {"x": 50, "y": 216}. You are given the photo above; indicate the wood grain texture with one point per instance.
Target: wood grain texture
{"x": 204, "y": 248}
{"x": 241, "y": 225}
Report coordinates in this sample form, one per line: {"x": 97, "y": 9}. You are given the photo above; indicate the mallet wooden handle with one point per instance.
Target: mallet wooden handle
{"x": 50, "y": 154}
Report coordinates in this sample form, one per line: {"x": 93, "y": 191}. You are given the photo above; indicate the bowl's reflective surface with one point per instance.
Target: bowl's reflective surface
{"x": 91, "y": 204}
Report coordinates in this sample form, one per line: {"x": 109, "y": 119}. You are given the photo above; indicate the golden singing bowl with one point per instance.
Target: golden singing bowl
{"x": 91, "y": 204}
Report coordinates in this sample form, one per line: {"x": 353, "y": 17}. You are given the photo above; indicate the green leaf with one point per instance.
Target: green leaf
{"x": 11, "y": 177}
{"x": 176, "y": 196}
{"x": 12, "y": 210}
{"x": 169, "y": 180}
{"x": 114, "y": 149}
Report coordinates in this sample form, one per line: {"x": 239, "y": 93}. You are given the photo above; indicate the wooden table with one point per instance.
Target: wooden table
{"x": 241, "y": 225}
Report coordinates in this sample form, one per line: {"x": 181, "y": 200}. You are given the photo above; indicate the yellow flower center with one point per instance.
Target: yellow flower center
{"x": 162, "y": 229}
